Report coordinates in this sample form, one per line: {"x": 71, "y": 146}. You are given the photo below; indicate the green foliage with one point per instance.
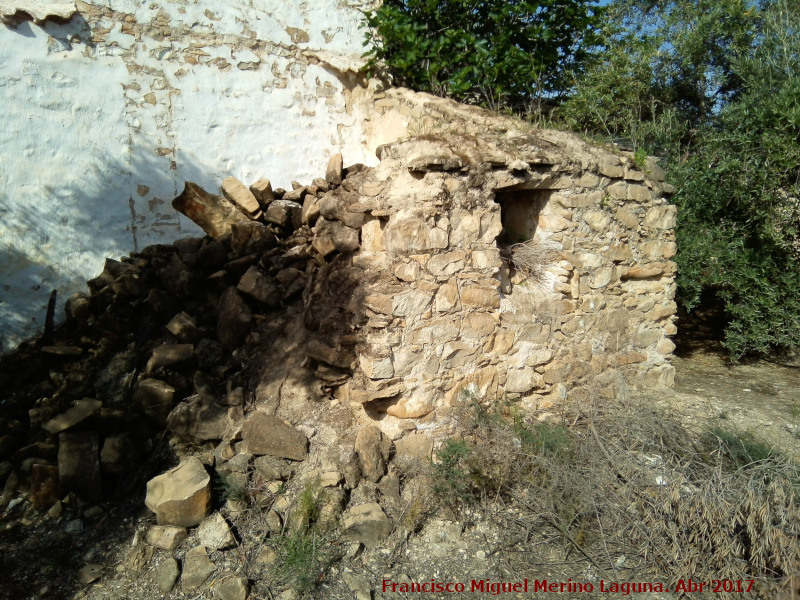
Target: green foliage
{"x": 494, "y": 52}
{"x": 739, "y": 216}
{"x": 308, "y": 503}
{"x": 299, "y": 559}
{"x": 543, "y": 439}
{"x": 742, "y": 449}
{"x": 228, "y": 488}
{"x": 453, "y": 479}
{"x": 713, "y": 87}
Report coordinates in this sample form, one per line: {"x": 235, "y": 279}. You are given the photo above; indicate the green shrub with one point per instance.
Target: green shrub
{"x": 452, "y": 473}
{"x": 713, "y": 87}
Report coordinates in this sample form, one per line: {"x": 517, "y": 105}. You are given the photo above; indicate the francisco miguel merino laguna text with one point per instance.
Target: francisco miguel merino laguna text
{"x": 537, "y": 585}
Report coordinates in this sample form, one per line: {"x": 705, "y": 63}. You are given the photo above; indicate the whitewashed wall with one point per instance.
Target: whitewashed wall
{"x": 104, "y": 116}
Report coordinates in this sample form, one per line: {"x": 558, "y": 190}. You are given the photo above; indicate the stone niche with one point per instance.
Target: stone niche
{"x": 536, "y": 267}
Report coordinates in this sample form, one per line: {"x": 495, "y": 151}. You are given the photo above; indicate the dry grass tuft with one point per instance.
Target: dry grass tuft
{"x": 532, "y": 258}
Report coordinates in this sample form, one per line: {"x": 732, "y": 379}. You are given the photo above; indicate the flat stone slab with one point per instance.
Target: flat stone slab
{"x": 266, "y": 434}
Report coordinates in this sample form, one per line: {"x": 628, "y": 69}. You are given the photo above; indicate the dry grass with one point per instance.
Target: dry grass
{"x": 628, "y": 492}
{"x": 532, "y": 258}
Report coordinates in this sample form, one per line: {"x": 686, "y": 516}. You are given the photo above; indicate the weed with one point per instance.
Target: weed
{"x": 742, "y": 449}
{"x": 229, "y": 488}
{"x": 532, "y": 258}
{"x": 453, "y": 481}
{"x": 640, "y": 158}
{"x": 543, "y": 438}
{"x": 627, "y": 482}
{"x": 308, "y": 503}
{"x": 299, "y": 559}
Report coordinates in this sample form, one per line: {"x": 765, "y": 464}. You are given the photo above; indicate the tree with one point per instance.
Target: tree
{"x": 500, "y": 53}
{"x": 714, "y": 87}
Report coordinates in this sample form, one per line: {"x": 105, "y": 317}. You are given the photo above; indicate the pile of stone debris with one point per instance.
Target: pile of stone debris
{"x": 160, "y": 345}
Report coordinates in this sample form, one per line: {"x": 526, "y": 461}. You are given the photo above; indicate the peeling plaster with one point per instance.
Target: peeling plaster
{"x": 107, "y": 111}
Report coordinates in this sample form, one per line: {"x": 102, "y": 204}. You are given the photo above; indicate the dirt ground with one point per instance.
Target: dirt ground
{"x": 757, "y": 396}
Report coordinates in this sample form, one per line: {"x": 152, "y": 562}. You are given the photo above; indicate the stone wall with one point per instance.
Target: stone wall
{"x": 108, "y": 107}
{"x": 446, "y": 306}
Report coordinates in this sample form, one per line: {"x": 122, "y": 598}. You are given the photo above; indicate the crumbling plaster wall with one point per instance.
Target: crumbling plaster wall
{"x": 109, "y": 106}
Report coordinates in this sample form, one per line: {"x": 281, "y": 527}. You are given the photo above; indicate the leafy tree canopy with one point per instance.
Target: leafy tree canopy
{"x": 491, "y": 52}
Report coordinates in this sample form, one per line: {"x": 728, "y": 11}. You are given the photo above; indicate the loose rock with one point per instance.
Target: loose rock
{"x": 215, "y": 533}
{"x": 366, "y": 523}
{"x": 267, "y": 434}
{"x": 166, "y": 574}
{"x": 181, "y": 496}
{"x": 196, "y": 568}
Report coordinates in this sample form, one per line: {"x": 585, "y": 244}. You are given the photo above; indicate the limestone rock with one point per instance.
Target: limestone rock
{"x": 181, "y": 496}
{"x": 251, "y": 238}
{"x": 238, "y": 193}
{"x": 78, "y": 307}
{"x": 297, "y": 194}
{"x": 44, "y": 486}
{"x": 155, "y": 397}
{"x": 232, "y": 587}
{"x": 89, "y": 573}
{"x": 215, "y": 533}
{"x": 284, "y": 213}
{"x": 119, "y": 454}
{"x": 166, "y": 574}
{"x": 166, "y": 537}
{"x": 310, "y": 212}
{"x": 233, "y": 319}
{"x": 597, "y": 220}
{"x": 270, "y": 467}
{"x": 415, "y": 447}
{"x": 267, "y": 434}
{"x": 183, "y": 327}
{"x": 213, "y": 214}
{"x": 79, "y": 465}
{"x": 373, "y": 449}
{"x": 333, "y": 172}
{"x": 80, "y": 410}
{"x": 196, "y": 568}
{"x": 320, "y": 351}
{"x": 178, "y": 278}
{"x": 330, "y": 479}
{"x": 366, "y": 523}
{"x": 39, "y": 9}
{"x": 260, "y": 287}
{"x": 359, "y": 585}
{"x": 338, "y": 235}
{"x": 169, "y": 354}
{"x": 442, "y": 162}
{"x": 262, "y": 190}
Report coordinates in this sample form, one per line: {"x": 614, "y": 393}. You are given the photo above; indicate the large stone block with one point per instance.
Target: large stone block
{"x": 366, "y": 523}
{"x": 213, "y": 214}
{"x": 373, "y": 449}
{"x": 238, "y": 193}
{"x": 181, "y": 496}
{"x": 233, "y": 319}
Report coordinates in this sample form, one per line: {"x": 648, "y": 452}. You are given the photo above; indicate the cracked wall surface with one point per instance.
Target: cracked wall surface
{"x": 106, "y": 112}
